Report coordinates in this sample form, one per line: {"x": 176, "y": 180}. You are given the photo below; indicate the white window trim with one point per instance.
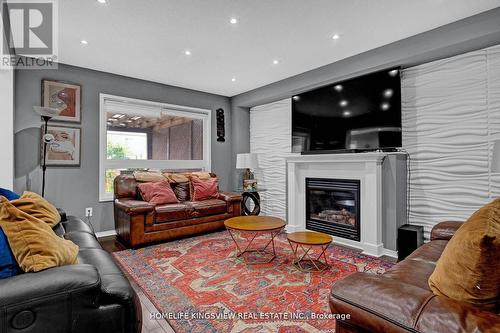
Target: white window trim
{"x": 104, "y": 163}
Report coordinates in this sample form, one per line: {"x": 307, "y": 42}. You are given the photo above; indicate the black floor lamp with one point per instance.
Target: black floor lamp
{"x": 47, "y": 114}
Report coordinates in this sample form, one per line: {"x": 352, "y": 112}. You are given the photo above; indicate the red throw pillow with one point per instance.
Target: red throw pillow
{"x": 157, "y": 192}
{"x": 205, "y": 189}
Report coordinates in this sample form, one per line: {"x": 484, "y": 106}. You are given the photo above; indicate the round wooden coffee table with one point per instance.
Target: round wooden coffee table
{"x": 255, "y": 225}
{"x": 306, "y": 241}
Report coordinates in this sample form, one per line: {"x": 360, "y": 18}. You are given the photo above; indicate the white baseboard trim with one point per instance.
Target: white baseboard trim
{"x": 105, "y": 233}
{"x": 390, "y": 253}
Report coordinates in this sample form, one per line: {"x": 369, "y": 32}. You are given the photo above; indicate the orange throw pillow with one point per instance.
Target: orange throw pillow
{"x": 468, "y": 269}
{"x": 158, "y": 193}
{"x": 205, "y": 189}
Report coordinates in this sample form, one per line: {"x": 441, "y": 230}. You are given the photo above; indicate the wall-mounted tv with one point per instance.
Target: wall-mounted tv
{"x": 359, "y": 114}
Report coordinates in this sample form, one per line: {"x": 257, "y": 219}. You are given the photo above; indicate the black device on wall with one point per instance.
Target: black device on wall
{"x": 221, "y": 131}
{"x": 359, "y": 114}
{"x": 410, "y": 238}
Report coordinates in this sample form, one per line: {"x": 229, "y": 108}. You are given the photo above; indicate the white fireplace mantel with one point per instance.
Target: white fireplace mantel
{"x": 365, "y": 167}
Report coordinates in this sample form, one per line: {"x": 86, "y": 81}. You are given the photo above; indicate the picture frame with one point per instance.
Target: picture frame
{"x": 65, "y": 150}
{"x": 65, "y": 95}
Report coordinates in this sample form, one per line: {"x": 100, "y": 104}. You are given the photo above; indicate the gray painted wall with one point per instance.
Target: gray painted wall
{"x": 76, "y": 188}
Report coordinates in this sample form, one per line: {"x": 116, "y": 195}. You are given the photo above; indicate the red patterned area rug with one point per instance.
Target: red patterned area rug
{"x": 199, "y": 285}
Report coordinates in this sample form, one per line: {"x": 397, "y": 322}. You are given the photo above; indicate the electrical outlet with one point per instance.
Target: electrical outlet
{"x": 88, "y": 212}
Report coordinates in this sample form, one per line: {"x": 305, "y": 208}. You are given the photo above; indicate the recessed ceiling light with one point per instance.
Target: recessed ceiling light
{"x": 233, "y": 20}
{"x": 102, "y": 1}
{"x": 335, "y": 36}
{"x": 233, "y": 79}
{"x": 276, "y": 61}
{"x": 346, "y": 113}
{"x": 187, "y": 52}
{"x": 296, "y": 98}
{"x": 388, "y": 93}
{"x": 385, "y": 106}
{"x": 83, "y": 42}
{"x": 343, "y": 103}
{"x": 338, "y": 87}
{"x": 393, "y": 72}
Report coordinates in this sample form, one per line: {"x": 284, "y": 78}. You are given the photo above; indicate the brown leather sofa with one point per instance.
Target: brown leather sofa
{"x": 138, "y": 222}
{"x": 400, "y": 300}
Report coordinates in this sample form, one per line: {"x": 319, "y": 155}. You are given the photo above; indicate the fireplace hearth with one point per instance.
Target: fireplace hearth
{"x": 333, "y": 207}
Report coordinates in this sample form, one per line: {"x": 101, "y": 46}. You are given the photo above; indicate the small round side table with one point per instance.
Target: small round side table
{"x": 305, "y": 241}
{"x": 255, "y": 226}
{"x": 250, "y": 197}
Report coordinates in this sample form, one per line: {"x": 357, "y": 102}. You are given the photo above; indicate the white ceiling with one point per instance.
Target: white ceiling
{"x": 146, "y": 39}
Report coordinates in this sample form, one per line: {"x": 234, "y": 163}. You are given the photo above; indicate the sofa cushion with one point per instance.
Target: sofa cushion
{"x": 182, "y": 191}
{"x": 378, "y": 304}
{"x": 207, "y": 207}
{"x": 34, "y": 244}
{"x": 73, "y": 224}
{"x": 429, "y": 252}
{"x": 176, "y": 177}
{"x": 468, "y": 268}
{"x": 148, "y": 176}
{"x": 157, "y": 193}
{"x": 59, "y": 230}
{"x": 172, "y": 212}
{"x": 204, "y": 189}
{"x": 412, "y": 272}
{"x": 35, "y": 205}
{"x": 83, "y": 240}
{"x": 201, "y": 175}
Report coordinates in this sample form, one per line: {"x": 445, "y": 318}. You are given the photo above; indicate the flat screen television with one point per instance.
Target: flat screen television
{"x": 359, "y": 114}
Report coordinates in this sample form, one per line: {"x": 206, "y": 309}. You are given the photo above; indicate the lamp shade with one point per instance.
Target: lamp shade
{"x": 495, "y": 157}
{"x": 247, "y": 161}
{"x": 46, "y": 111}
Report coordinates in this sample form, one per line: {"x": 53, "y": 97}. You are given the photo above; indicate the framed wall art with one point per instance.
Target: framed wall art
{"x": 64, "y": 149}
{"x": 65, "y": 96}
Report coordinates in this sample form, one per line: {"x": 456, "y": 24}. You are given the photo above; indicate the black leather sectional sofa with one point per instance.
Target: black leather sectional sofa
{"x": 92, "y": 296}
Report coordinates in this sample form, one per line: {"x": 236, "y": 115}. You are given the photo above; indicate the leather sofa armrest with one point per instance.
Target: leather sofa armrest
{"x": 40, "y": 286}
{"x": 132, "y": 206}
{"x": 62, "y": 213}
{"x": 229, "y": 196}
{"x": 445, "y": 230}
{"x": 443, "y": 314}
{"x": 378, "y": 304}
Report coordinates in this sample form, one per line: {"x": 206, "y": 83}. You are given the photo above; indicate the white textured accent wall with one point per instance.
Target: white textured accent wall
{"x": 270, "y": 137}
{"x": 451, "y": 115}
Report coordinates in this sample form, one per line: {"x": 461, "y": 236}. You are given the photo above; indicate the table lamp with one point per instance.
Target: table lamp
{"x": 47, "y": 114}
{"x": 247, "y": 161}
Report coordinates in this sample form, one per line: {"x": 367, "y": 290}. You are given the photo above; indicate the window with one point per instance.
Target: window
{"x": 138, "y": 134}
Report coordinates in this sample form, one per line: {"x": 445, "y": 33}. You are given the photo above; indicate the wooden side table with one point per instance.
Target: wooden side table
{"x": 306, "y": 241}
{"x": 255, "y": 225}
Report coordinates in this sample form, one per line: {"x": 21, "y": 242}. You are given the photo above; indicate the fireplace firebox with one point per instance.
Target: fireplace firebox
{"x": 333, "y": 207}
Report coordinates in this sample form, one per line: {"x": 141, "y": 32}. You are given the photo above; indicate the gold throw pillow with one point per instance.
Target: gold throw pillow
{"x": 34, "y": 245}
{"x": 35, "y": 205}
{"x": 468, "y": 269}
{"x": 148, "y": 176}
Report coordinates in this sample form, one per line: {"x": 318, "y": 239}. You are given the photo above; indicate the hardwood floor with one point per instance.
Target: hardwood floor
{"x": 111, "y": 244}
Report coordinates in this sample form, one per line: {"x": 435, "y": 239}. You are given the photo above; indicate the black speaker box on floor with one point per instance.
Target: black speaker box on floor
{"x": 410, "y": 238}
